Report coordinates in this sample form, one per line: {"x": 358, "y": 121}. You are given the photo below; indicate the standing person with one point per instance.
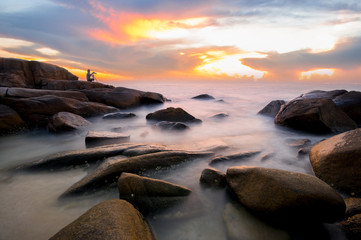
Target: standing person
{"x": 90, "y": 76}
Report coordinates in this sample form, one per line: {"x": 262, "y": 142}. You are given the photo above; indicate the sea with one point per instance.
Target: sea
{"x": 29, "y": 204}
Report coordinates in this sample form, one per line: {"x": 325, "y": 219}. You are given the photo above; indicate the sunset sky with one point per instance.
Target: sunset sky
{"x": 263, "y": 40}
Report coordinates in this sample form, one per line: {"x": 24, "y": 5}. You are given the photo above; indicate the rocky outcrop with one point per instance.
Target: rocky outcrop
{"x": 234, "y": 157}
{"x": 320, "y": 115}
{"x": 322, "y": 94}
{"x": 285, "y": 197}
{"x": 30, "y": 74}
{"x": 337, "y": 161}
{"x": 350, "y": 103}
{"x": 203, "y": 97}
{"x": 10, "y": 121}
{"x": 109, "y": 220}
{"x": 272, "y": 108}
{"x": 148, "y": 194}
{"x": 72, "y": 85}
{"x": 99, "y": 138}
{"x": 123, "y": 98}
{"x": 172, "y": 115}
{"x": 212, "y": 177}
{"x": 66, "y": 121}
{"x": 119, "y": 115}
{"x": 171, "y": 126}
{"x": 36, "y": 111}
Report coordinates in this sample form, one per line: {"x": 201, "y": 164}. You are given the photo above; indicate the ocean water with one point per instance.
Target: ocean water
{"x": 29, "y": 205}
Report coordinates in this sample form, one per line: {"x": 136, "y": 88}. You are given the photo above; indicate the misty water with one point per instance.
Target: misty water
{"x": 29, "y": 205}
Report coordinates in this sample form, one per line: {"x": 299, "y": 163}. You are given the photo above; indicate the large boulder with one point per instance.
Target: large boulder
{"x": 110, "y": 220}
{"x": 350, "y": 103}
{"x": 72, "y": 85}
{"x": 149, "y": 194}
{"x": 172, "y": 115}
{"x": 272, "y": 108}
{"x": 337, "y": 161}
{"x": 352, "y": 227}
{"x": 320, "y": 115}
{"x": 10, "y": 121}
{"x": 285, "y": 197}
{"x": 66, "y": 121}
{"x": 123, "y": 98}
{"x": 99, "y": 138}
{"x": 323, "y": 94}
{"x": 36, "y": 111}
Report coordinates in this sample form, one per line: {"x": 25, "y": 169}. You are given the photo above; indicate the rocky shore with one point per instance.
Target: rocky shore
{"x": 39, "y": 95}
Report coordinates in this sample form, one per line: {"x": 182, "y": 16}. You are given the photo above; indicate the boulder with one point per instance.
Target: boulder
{"x": 36, "y": 111}
{"x": 66, "y": 121}
{"x": 234, "y": 157}
{"x": 337, "y": 161}
{"x": 148, "y": 194}
{"x": 10, "y": 121}
{"x": 203, "y": 97}
{"x": 272, "y": 108}
{"x": 71, "y": 85}
{"x": 285, "y": 197}
{"x": 172, "y": 115}
{"x": 119, "y": 115}
{"x": 350, "y": 103}
{"x": 319, "y": 115}
{"x": 353, "y": 206}
{"x": 171, "y": 126}
{"x": 322, "y": 94}
{"x": 122, "y": 98}
{"x": 109, "y": 171}
{"x": 99, "y": 138}
{"x": 28, "y": 93}
{"x": 212, "y": 177}
{"x": 352, "y": 227}
{"x": 110, "y": 220}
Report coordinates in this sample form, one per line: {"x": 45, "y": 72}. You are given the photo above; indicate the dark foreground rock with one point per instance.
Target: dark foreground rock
{"x": 203, "y": 97}
{"x": 72, "y": 85}
{"x": 99, "y": 138}
{"x": 352, "y": 227}
{"x": 109, "y": 220}
{"x": 109, "y": 171}
{"x": 350, "y": 103}
{"x": 212, "y": 177}
{"x": 234, "y": 157}
{"x": 10, "y": 121}
{"x": 171, "y": 126}
{"x": 285, "y": 197}
{"x": 272, "y": 108}
{"x": 65, "y": 122}
{"x": 172, "y": 115}
{"x": 148, "y": 194}
{"x": 320, "y": 115}
{"x": 337, "y": 161}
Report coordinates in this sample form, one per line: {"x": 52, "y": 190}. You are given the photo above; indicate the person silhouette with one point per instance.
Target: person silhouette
{"x": 90, "y": 76}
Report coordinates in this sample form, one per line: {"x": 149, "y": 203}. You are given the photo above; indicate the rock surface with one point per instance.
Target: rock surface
{"x": 350, "y": 103}
{"x": 219, "y": 116}
{"x": 10, "y": 121}
{"x": 285, "y": 197}
{"x": 99, "y": 138}
{"x": 65, "y": 122}
{"x": 72, "y": 85}
{"x": 272, "y": 108}
{"x": 337, "y": 161}
{"x": 203, "y": 97}
{"x": 320, "y": 115}
{"x": 110, "y": 220}
{"x": 148, "y": 194}
{"x": 352, "y": 227}
{"x": 119, "y": 115}
{"x": 172, "y": 115}
{"x": 213, "y": 178}
{"x": 234, "y": 157}
{"x": 171, "y": 126}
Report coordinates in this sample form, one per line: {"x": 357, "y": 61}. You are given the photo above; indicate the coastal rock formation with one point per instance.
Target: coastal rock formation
{"x": 172, "y": 115}
{"x": 285, "y": 197}
{"x": 99, "y": 138}
{"x": 10, "y": 121}
{"x": 319, "y": 115}
{"x": 234, "y": 157}
{"x": 213, "y": 178}
{"x": 148, "y": 194}
{"x": 72, "y": 85}
{"x": 119, "y": 115}
{"x": 322, "y": 94}
{"x": 337, "y": 161}
{"x": 66, "y": 121}
{"x": 203, "y": 97}
{"x": 272, "y": 108}
{"x": 350, "y": 103}
{"x": 110, "y": 220}
{"x": 171, "y": 126}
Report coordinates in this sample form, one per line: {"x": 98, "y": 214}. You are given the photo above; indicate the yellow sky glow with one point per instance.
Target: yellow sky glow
{"x": 317, "y": 72}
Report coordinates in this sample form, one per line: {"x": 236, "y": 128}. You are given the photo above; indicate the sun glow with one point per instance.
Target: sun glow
{"x": 318, "y": 72}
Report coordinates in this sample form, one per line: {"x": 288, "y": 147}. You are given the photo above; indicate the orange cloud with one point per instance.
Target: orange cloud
{"x": 321, "y": 72}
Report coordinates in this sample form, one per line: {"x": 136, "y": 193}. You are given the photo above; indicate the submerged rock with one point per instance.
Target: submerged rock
{"x": 203, "y": 97}
{"x": 234, "y": 157}
{"x": 213, "y": 178}
{"x": 172, "y": 115}
{"x": 272, "y": 108}
{"x": 285, "y": 197}
{"x": 119, "y": 115}
{"x": 171, "y": 126}
{"x": 110, "y": 220}
{"x": 337, "y": 161}
{"x": 99, "y": 138}
{"x": 10, "y": 121}
{"x": 65, "y": 122}
{"x": 219, "y": 116}
{"x": 148, "y": 194}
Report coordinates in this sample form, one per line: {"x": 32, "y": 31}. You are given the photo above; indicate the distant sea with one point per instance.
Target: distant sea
{"x": 29, "y": 208}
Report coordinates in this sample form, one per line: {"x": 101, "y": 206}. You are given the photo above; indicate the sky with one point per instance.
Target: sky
{"x": 259, "y": 40}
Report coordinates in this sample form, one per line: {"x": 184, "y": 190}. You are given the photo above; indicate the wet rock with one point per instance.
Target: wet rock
{"x": 99, "y": 138}
{"x": 267, "y": 156}
{"x": 298, "y": 143}
{"x": 323, "y": 94}
{"x": 219, "y": 116}
{"x": 241, "y": 224}
{"x": 285, "y": 197}
{"x": 109, "y": 220}
{"x": 144, "y": 149}
{"x": 36, "y": 111}
{"x": 203, "y": 97}
{"x": 171, "y": 126}
{"x": 304, "y": 151}
{"x": 213, "y": 178}
{"x": 10, "y": 121}
{"x": 172, "y": 115}
{"x": 109, "y": 171}
{"x": 272, "y": 108}
{"x": 65, "y": 122}
{"x": 119, "y": 115}
{"x": 123, "y": 98}
{"x": 352, "y": 227}
{"x": 337, "y": 161}
{"x": 149, "y": 195}
{"x": 350, "y": 103}
{"x": 72, "y": 85}
{"x": 234, "y": 157}
{"x": 353, "y": 206}
{"x": 319, "y": 115}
